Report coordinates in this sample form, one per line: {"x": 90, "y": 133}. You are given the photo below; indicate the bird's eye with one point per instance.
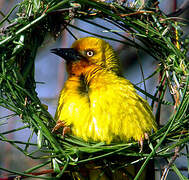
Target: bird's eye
{"x": 90, "y": 53}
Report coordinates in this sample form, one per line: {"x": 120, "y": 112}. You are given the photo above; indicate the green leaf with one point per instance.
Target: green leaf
{"x": 55, "y": 166}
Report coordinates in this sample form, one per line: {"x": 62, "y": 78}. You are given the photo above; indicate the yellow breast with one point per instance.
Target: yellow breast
{"x": 104, "y": 107}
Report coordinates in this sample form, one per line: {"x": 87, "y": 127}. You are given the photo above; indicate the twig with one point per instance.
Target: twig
{"x": 135, "y": 13}
{"x": 7, "y": 16}
{"x": 4, "y": 29}
{"x": 50, "y": 171}
{"x": 166, "y": 169}
{"x": 64, "y": 10}
{"x": 161, "y": 90}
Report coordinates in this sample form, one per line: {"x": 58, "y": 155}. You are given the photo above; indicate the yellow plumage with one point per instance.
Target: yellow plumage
{"x": 96, "y": 102}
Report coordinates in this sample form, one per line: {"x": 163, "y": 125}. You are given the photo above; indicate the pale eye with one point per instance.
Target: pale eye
{"x": 90, "y": 53}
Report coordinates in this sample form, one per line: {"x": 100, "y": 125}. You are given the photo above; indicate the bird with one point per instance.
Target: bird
{"x": 97, "y": 103}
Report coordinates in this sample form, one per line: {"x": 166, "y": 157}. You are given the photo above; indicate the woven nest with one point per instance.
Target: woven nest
{"x": 149, "y": 30}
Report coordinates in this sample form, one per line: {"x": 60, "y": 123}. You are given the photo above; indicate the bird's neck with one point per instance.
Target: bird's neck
{"x": 85, "y": 69}
{"x": 82, "y": 78}
{"x": 77, "y": 68}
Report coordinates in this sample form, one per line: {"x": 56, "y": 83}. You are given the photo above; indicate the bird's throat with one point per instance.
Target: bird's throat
{"x": 84, "y": 74}
{"x": 83, "y": 85}
{"x": 77, "y": 68}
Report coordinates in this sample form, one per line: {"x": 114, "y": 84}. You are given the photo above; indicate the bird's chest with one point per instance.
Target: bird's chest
{"x": 79, "y": 100}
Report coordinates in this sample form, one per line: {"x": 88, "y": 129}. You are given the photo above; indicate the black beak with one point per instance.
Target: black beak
{"x": 69, "y": 54}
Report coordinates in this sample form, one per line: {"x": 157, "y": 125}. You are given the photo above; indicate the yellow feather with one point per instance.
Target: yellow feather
{"x": 99, "y": 104}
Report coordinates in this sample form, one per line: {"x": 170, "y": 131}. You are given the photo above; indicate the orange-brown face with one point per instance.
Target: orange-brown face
{"x": 88, "y": 52}
{"x": 91, "y": 51}
{"x": 76, "y": 68}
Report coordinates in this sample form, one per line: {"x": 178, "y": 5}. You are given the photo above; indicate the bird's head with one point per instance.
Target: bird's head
{"x": 89, "y": 52}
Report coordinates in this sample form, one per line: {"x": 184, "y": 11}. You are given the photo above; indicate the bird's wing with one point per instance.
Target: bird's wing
{"x": 119, "y": 111}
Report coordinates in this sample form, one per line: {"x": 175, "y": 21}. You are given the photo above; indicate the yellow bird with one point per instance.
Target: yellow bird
{"x": 97, "y": 102}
